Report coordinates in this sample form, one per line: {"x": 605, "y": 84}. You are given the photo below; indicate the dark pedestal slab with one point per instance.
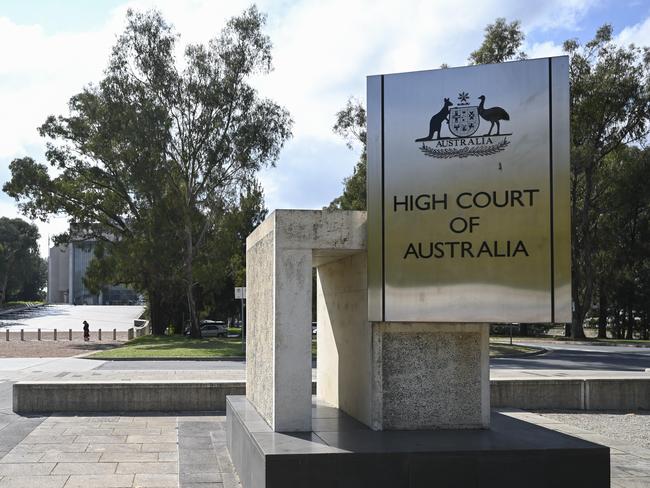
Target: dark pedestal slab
{"x": 342, "y": 453}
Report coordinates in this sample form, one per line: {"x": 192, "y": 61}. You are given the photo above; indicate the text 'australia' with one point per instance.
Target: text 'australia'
{"x": 465, "y": 249}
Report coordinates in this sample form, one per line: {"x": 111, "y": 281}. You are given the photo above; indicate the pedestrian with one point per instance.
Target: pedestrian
{"x": 86, "y": 331}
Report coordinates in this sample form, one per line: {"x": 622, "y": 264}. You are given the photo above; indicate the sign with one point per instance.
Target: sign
{"x": 240, "y": 293}
{"x": 468, "y": 194}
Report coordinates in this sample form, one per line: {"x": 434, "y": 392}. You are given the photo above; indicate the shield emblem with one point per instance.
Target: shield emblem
{"x": 463, "y": 120}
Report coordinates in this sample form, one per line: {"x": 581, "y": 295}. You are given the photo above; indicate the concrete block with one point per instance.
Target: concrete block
{"x": 106, "y": 396}
{"x": 614, "y": 394}
{"x": 430, "y": 376}
{"x": 551, "y": 393}
{"x": 279, "y": 258}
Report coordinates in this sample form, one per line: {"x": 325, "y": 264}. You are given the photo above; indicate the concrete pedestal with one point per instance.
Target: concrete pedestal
{"x": 396, "y": 376}
{"x": 342, "y": 452}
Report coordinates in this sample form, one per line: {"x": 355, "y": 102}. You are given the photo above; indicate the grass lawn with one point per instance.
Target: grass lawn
{"x": 500, "y": 349}
{"x": 174, "y": 347}
{"x": 151, "y": 347}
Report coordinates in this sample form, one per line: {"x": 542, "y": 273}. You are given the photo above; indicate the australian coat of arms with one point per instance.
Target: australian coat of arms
{"x": 463, "y": 121}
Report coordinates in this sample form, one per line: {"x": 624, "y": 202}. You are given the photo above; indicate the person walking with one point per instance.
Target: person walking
{"x": 86, "y": 331}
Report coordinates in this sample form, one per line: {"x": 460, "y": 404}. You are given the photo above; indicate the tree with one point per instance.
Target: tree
{"x": 501, "y": 43}
{"x": 151, "y": 157}
{"x": 351, "y": 125}
{"x": 610, "y": 106}
{"x": 20, "y": 264}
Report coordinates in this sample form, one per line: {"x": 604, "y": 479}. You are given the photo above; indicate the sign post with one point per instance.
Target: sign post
{"x": 240, "y": 294}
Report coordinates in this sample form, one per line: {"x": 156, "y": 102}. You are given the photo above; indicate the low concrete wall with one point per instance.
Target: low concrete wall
{"x": 572, "y": 393}
{"x": 156, "y": 396}
{"x": 145, "y": 396}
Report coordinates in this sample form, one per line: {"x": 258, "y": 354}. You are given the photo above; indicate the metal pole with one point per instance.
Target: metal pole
{"x": 69, "y": 334}
{"x": 243, "y": 327}
{"x": 511, "y": 334}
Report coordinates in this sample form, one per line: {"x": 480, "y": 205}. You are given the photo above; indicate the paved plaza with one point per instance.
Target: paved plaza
{"x": 65, "y": 317}
{"x": 188, "y": 451}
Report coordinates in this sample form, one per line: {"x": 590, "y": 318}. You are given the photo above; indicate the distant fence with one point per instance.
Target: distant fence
{"x": 58, "y": 335}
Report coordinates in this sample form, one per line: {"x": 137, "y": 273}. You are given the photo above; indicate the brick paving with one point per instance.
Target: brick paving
{"x": 121, "y": 451}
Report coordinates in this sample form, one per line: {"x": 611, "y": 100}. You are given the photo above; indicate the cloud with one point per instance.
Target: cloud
{"x": 638, "y": 34}
{"x": 323, "y": 51}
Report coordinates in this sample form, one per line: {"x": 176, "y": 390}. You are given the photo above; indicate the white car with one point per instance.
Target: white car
{"x": 213, "y": 328}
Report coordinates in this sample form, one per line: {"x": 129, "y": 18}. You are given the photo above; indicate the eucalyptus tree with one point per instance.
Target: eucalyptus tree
{"x": 150, "y": 157}
{"x": 610, "y": 107}
{"x": 19, "y": 259}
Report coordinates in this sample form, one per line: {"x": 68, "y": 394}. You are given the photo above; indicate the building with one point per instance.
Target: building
{"x": 67, "y": 266}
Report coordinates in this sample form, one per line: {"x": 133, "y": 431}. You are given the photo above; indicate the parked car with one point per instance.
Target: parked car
{"x": 213, "y": 328}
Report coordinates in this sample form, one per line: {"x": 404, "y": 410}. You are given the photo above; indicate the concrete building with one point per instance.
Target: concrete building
{"x": 67, "y": 266}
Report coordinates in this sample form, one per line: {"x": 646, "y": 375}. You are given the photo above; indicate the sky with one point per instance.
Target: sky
{"x": 322, "y": 49}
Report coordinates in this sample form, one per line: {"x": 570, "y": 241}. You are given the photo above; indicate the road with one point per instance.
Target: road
{"x": 579, "y": 357}
{"x": 64, "y": 317}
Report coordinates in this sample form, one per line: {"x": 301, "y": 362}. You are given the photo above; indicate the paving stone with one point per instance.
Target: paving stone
{"x": 151, "y": 439}
{"x": 33, "y": 481}
{"x": 125, "y": 457}
{"x": 102, "y": 439}
{"x": 147, "y": 468}
{"x": 21, "y": 457}
{"x": 160, "y": 447}
{"x": 49, "y": 439}
{"x": 156, "y": 480}
{"x": 74, "y": 447}
{"x": 201, "y": 477}
{"x": 199, "y": 456}
{"x": 85, "y": 468}
{"x": 203, "y": 485}
{"x": 136, "y": 431}
{"x": 627, "y": 482}
{"x": 26, "y": 469}
{"x": 71, "y": 457}
{"x": 168, "y": 456}
{"x": 114, "y": 447}
{"x": 100, "y": 481}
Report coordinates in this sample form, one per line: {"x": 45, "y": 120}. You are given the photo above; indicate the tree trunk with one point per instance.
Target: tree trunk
{"x": 157, "y": 313}
{"x": 630, "y": 323}
{"x": 602, "y": 313}
{"x": 577, "y": 331}
{"x": 195, "y": 331}
{"x": 523, "y": 330}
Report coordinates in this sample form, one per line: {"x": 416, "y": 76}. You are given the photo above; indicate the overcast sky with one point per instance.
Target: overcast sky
{"x": 323, "y": 50}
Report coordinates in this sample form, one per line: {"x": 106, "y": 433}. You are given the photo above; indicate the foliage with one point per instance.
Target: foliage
{"x": 351, "y": 125}
{"x": 23, "y": 272}
{"x": 501, "y": 43}
{"x": 610, "y": 105}
{"x": 151, "y": 159}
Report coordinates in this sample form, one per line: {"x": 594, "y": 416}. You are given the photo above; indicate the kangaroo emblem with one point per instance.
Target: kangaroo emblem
{"x": 436, "y": 122}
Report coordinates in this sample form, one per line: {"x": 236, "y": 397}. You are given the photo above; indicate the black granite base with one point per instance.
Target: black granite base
{"x": 342, "y": 453}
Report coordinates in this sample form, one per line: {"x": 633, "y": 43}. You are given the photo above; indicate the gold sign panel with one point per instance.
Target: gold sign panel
{"x": 468, "y": 194}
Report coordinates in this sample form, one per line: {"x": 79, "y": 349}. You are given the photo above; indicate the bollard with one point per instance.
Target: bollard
{"x": 39, "y": 334}
{"x": 114, "y": 334}
{"x": 7, "y": 335}
{"x": 130, "y": 333}
{"x": 22, "y": 334}
{"x": 69, "y": 334}
{"x": 99, "y": 334}
{"x": 55, "y": 334}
